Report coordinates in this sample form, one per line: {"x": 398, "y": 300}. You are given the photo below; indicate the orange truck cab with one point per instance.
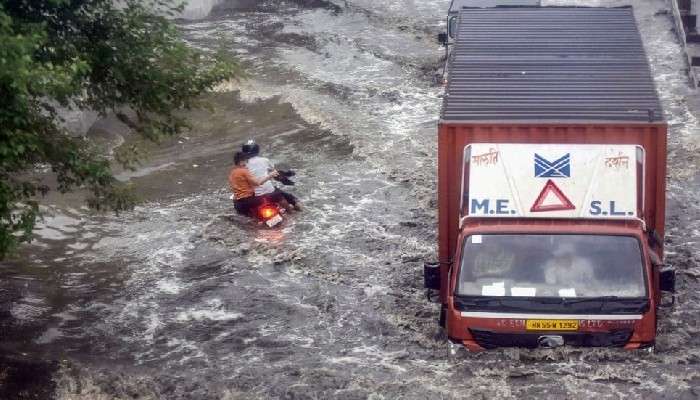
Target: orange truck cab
{"x": 551, "y": 182}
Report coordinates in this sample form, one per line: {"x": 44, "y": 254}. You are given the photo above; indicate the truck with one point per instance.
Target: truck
{"x": 551, "y": 183}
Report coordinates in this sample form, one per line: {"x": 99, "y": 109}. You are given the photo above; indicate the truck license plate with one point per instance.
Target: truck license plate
{"x": 273, "y": 221}
{"x": 551, "y": 325}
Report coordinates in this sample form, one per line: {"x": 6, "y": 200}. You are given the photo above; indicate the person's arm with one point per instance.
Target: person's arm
{"x": 259, "y": 182}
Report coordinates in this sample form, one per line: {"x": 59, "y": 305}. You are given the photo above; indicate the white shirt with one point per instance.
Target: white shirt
{"x": 260, "y": 167}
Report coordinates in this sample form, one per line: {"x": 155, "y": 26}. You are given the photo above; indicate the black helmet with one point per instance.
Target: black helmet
{"x": 250, "y": 148}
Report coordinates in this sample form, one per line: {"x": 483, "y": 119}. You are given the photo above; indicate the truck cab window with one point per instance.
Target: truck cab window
{"x": 551, "y": 266}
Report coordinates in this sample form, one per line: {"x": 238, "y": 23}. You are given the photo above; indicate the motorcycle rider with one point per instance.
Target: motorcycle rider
{"x": 243, "y": 185}
{"x": 259, "y": 168}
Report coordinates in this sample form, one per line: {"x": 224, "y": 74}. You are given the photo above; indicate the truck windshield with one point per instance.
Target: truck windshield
{"x": 551, "y": 266}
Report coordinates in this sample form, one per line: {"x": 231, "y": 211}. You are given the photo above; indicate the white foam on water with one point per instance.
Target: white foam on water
{"x": 45, "y": 232}
{"x": 181, "y": 350}
{"x": 78, "y": 246}
{"x": 373, "y": 355}
{"x": 197, "y": 9}
{"x": 211, "y": 315}
{"x": 49, "y": 336}
{"x": 27, "y": 311}
{"x": 169, "y": 286}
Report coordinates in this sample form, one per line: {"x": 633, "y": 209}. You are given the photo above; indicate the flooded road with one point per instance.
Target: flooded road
{"x": 180, "y": 300}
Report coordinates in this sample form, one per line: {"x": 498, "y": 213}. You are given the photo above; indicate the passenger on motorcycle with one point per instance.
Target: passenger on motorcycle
{"x": 243, "y": 185}
{"x": 259, "y": 168}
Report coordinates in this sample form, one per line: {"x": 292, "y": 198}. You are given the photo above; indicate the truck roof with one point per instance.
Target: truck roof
{"x": 546, "y": 64}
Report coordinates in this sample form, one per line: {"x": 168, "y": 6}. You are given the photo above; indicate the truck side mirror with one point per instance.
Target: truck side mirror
{"x": 431, "y": 275}
{"x": 667, "y": 280}
{"x": 442, "y": 38}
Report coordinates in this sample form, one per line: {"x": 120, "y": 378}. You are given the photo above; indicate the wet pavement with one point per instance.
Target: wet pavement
{"x": 180, "y": 299}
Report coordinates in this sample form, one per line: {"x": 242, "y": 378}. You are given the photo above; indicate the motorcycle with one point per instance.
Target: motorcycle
{"x": 270, "y": 213}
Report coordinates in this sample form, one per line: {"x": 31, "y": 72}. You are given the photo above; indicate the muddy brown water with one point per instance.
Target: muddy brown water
{"x": 177, "y": 300}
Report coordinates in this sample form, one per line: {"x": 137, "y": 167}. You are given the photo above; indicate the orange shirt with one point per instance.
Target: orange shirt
{"x": 241, "y": 182}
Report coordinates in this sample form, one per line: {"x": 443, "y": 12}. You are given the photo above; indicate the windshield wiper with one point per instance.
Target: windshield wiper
{"x": 576, "y": 300}
{"x": 623, "y": 303}
{"x": 480, "y": 300}
{"x": 490, "y": 302}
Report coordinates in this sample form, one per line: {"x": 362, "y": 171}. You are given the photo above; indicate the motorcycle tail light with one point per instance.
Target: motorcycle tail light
{"x": 267, "y": 212}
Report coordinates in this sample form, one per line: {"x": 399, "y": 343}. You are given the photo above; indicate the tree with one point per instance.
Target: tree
{"x": 101, "y": 55}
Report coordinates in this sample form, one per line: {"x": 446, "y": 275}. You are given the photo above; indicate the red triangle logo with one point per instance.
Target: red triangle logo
{"x": 551, "y": 188}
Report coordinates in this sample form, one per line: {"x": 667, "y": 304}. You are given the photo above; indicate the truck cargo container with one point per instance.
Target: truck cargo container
{"x": 551, "y": 182}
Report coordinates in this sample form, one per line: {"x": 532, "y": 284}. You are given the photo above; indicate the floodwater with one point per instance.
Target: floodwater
{"x": 180, "y": 300}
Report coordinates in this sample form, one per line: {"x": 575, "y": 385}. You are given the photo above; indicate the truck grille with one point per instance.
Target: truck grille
{"x": 491, "y": 340}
